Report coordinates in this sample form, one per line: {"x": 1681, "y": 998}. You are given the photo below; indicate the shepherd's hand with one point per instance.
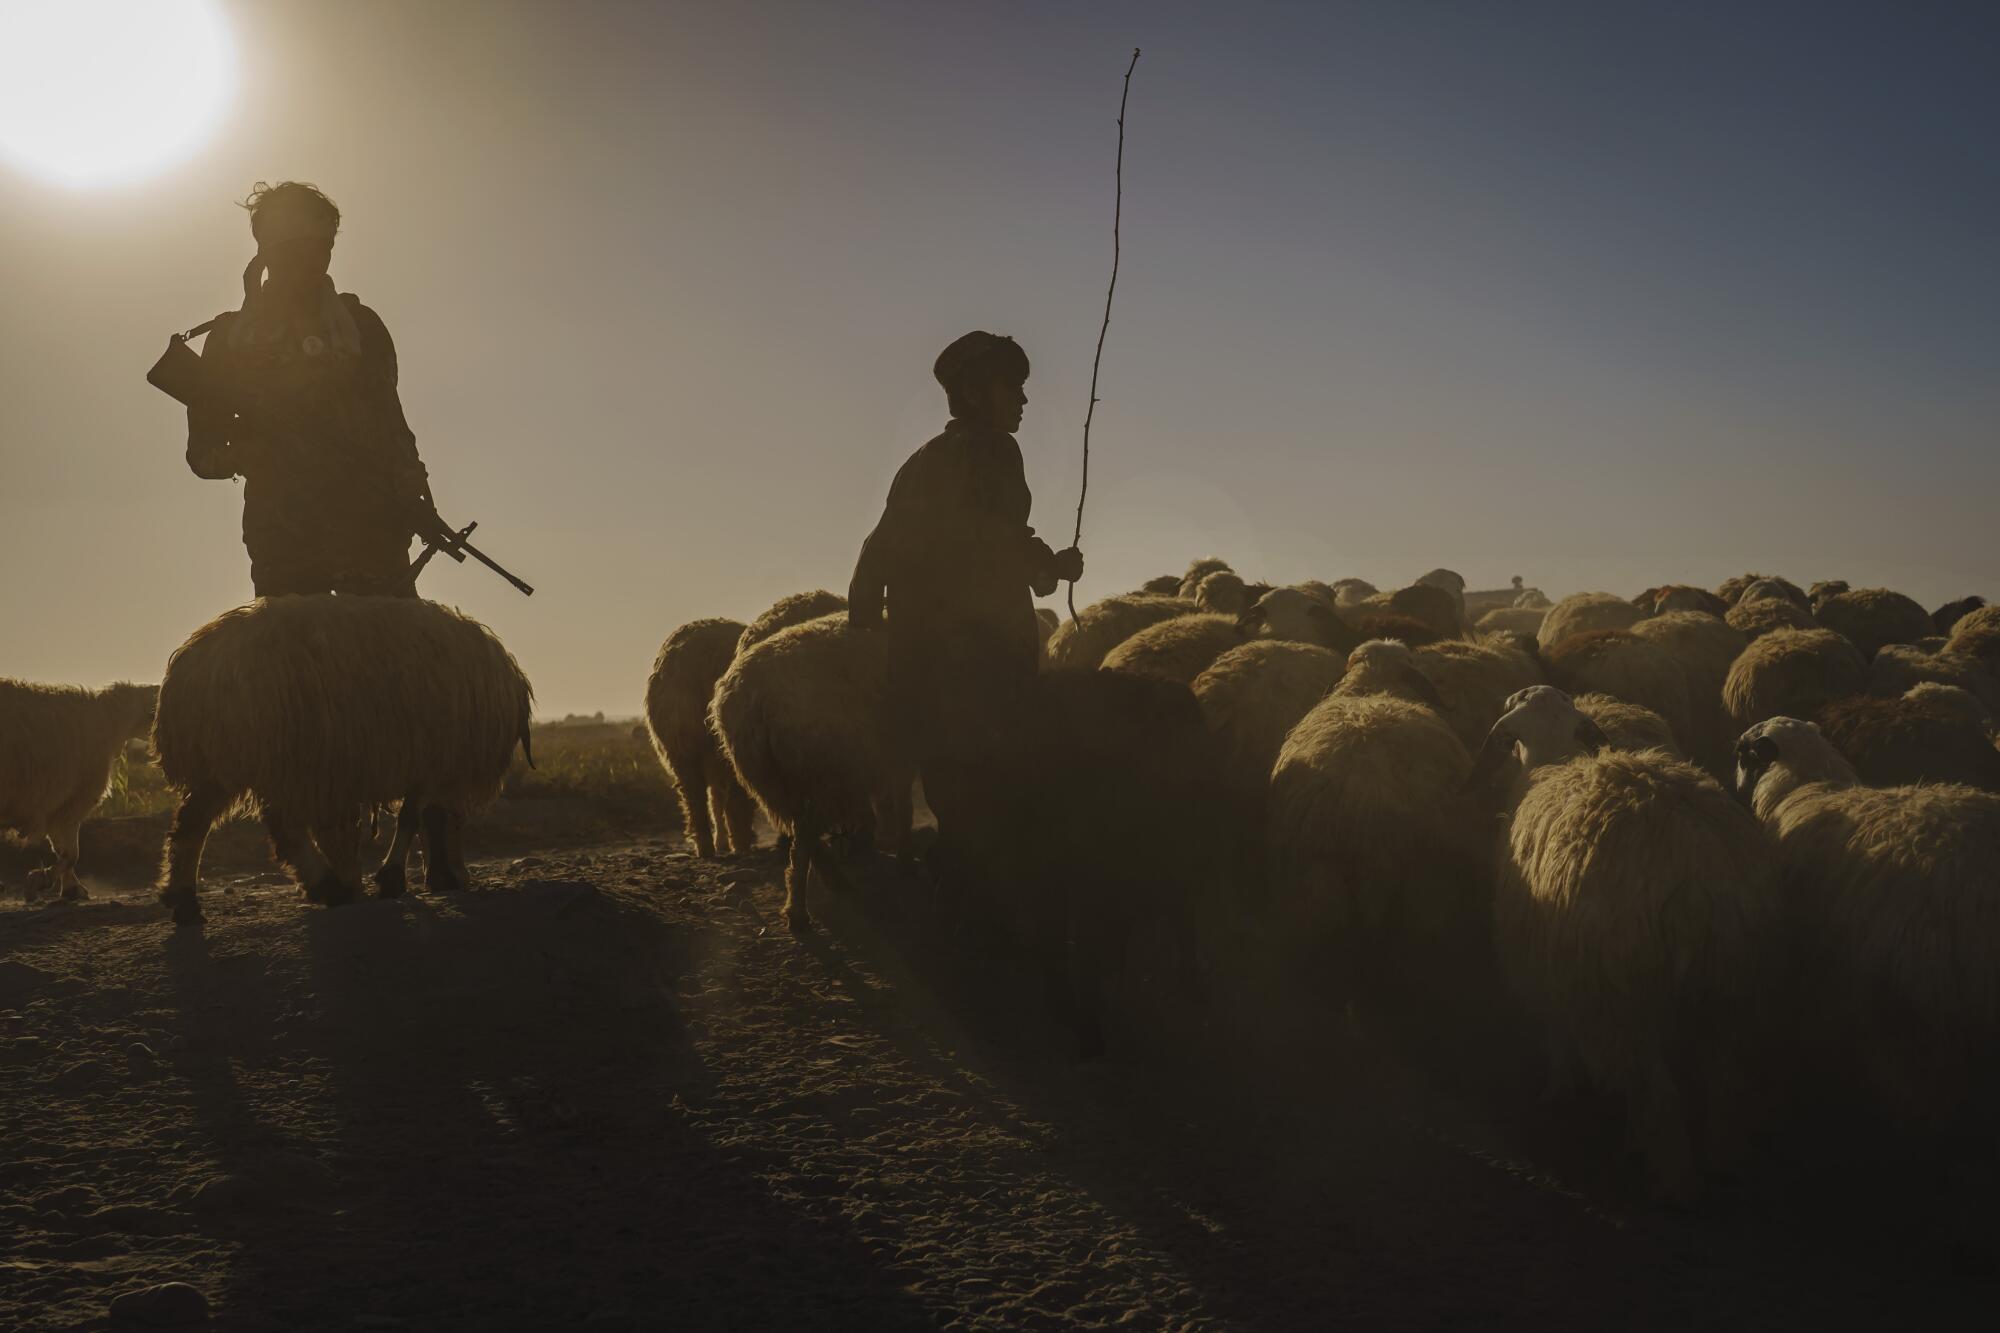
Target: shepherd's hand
{"x": 1069, "y": 564}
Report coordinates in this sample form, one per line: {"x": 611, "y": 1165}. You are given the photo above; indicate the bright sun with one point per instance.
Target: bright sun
{"x": 98, "y": 91}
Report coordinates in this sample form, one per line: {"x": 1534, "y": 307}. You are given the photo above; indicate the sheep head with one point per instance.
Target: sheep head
{"x": 1539, "y": 725}
{"x": 1781, "y": 754}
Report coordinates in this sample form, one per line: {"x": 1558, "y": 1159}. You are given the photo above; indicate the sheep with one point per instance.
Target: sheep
{"x": 1222, "y": 593}
{"x": 1954, "y": 700}
{"x": 1679, "y": 597}
{"x": 1532, "y": 599}
{"x": 1732, "y": 590}
{"x": 1384, "y": 668}
{"x": 1893, "y": 893}
{"x": 1438, "y": 609}
{"x": 1047, "y": 622}
{"x": 1325, "y": 592}
{"x": 1164, "y": 585}
{"x": 1624, "y": 666}
{"x": 805, "y": 719}
{"x": 1899, "y": 667}
{"x": 1948, "y": 615}
{"x": 1794, "y": 672}
{"x": 1373, "y": 623}
{"x": 1106, "y": 821}
{"x": 1582, "y": 612}
{"x": 1474, "y": 679}
{"x": 1103, "y": 625}
{"x": 1920, "y": 737}
{"x": 1251, "y": 697}
{"x": 1704, "y": 648}
{"x": 1352, "y": 592}
{"x": 1370, "y": 842}
{"x": 1977, "y": 636}
{"x": 1823, "y": 591}
{"x": 1759, "y": 617}
{"x": 316, "y": 709}
{"x": 1775, "y": 589}
{"x": 1628, "y": 726}
{"x": 715, "y": 808}
{"x": 58, "y": 747}
{"x": 1182, "y": 648}
{"x": 1452, "y": 582}
{"x": 1514, "y": 619}
{"x": 1634, "y": 911}
{"x": 1872, "y": 617}
{"x": 1197, "y": 571}
{"x": 786, "y": 612}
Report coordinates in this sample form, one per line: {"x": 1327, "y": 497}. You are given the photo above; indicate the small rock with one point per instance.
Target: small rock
{"x": 527, "y": 863}
{"x": 167, "y": 1304}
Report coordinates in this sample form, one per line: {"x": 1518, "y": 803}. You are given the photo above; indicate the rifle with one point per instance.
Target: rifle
{"x": 192, "y": 382}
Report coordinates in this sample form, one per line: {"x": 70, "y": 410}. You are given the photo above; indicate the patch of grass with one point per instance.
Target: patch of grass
{"x": 610, "y": 764}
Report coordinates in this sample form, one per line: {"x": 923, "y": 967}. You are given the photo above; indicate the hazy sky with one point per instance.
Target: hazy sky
{"x": 1601, "y": 294}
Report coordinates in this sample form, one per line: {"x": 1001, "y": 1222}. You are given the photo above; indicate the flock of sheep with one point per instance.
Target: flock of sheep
{"x": 1693, "y": 832}
{"x": 1714, "y": 841}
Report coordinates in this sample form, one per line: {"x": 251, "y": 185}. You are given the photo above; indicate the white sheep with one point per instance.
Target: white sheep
{"x": 715, "y": 809}
{"x": 795, "y": 609}
{"x": 1633, "y": 912}
{"x": 316, "y": 709}
{"x": 1370, "y": 840}
{"x": 1792, "y": 673}
{"x": 1582, "y": 612}
{"x": 1895, "y": 895}
{"x": 804, "y": 717}
{"x": 58, "y": 746}
{"x": 1103, "y": 625}
{"x": 1181, "y": 648}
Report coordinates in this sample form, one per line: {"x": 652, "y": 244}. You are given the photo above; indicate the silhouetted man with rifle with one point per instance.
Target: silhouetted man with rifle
{"x": 960, "y": 567}
{"x": 296, "y": 394}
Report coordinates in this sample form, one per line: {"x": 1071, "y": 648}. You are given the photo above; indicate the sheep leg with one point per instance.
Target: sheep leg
{"x": 392, "y": 878}
{"x": 64, "y": 842}
{"x": 691, "y": 781}
{"x": 740, "y": 813}
{"x": 441, "y": 872}
{"x": 806, "y": 836}
{"x": 295, "y": 851}
{"x": 718, "y": 818}
{"x": 198, "y": 812}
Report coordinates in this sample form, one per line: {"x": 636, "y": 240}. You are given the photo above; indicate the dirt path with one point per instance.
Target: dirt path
{"x": 611, "y": 1092}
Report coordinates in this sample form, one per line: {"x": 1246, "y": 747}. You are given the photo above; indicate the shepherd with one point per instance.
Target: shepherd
{"x": 333, "y": 487}
{"x": 960, "y": 567}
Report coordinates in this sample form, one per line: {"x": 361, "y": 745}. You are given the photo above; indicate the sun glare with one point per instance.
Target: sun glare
{"x": 95, "y": 92}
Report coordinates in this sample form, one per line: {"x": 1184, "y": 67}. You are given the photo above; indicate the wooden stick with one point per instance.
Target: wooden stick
{"x": 1117, "y": 215}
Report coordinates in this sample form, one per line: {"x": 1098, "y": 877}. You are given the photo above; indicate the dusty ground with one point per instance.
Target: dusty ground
{"x": 610, "y": 1091}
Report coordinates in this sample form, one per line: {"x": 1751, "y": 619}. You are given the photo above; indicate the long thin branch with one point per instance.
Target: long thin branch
{"x": 1117, "y": 215}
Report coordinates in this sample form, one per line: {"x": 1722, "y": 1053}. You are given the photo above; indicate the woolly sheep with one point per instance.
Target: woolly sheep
{"x": 1679, "y": 597}
{"x": 1759, "y": 617}
{"x": 1352, "y": 592}
{"x": 1581, "y": 612}
{"x": 1474, "y": 678}
{"x": 58, "y": 747}
{"x": 1704, "y": 647}
{"x": 1792, "y": 672}
{"x": 1102, "y": 626}
{"x": 1251, "y": 697}
{"x": 804, "y": 718}
{"x": 1514, "y": 619}
{"x": 1182, "y": 648}
{"x": 1436, "y": 608}
{"x": 1899, "y": 667}
{"x": 1384, "y": 668}
{"x": 1917, "y": 738}
{"x": 1872, "y": 617}
{"x": 786, "y": 612}
{"x": 1164, "y": 585}
{"x": 1732, "y": 590}
{"x": 1627, "y": 726}
{"x": 1824, "y": 590}
{"x": 1199, "y": 570}
{"x": 1371, "y": 842}
{"x": 1773, "y": 589}
{"x": 715, "y": 809}
{"x": 1977, "y": 636}
{"x": 1624, "y": 666}
{"x": 1047, "y": 622}
{"x": 1633, "y": 916}
{"x": 316, "y": 709}
{"x": 1893, "y": 893}
{"x": 1947, "y": 616}
{"x": 1222, "y": 593}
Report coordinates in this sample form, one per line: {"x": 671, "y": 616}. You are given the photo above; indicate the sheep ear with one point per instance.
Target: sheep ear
{"x": 1591, "y": 736}
{"x": 1493, "y": 755}
{"x": 1421, "y": 686}
{"x": 1251, "y": 620}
